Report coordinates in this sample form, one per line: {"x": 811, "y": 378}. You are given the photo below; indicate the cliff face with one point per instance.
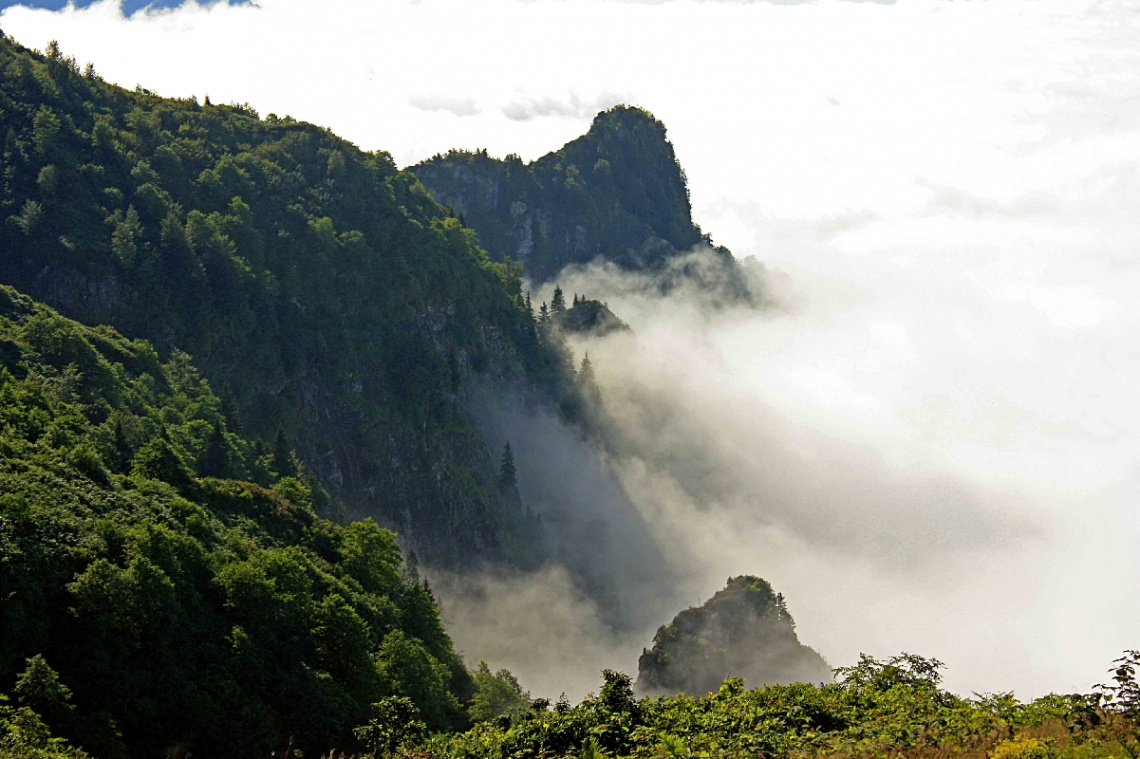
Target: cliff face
{"x": 616, "y": 194}
{"x": 744, "y": 631}
{"x": 319, "y": 289}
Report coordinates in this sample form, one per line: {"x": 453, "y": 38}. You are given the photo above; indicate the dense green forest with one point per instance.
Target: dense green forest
{"x": 176, "y": 576}
{"x": 320, "y": 290}
{"x": 616, "y": 194}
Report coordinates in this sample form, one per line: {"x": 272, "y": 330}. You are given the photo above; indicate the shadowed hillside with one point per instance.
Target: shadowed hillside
{"x": 319, "y": 289}
{"x": 616, "y": 194}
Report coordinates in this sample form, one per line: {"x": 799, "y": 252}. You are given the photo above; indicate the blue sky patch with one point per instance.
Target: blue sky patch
{"x": 129, "y": 6}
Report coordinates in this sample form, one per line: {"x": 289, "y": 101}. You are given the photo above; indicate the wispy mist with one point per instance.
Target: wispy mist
{"x": 748, "y": 441}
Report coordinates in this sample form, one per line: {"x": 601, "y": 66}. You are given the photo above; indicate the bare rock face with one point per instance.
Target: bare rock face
{"x": 743, "y": 631}
{"x": 616, "y": 194}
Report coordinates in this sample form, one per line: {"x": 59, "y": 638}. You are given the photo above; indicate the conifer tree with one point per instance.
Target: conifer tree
{"x": 214, "y": 461}
{"x": 589, "y": 384}
{"x": 284, "y": 463}
{"x": 543, "y": 314}
{"x": 121, "y": 453}
{"x": 586, "y": 373}
{"x": 782, "y": 611}
{"x": 558, "y": 302}
{"x": 508, "y": 475}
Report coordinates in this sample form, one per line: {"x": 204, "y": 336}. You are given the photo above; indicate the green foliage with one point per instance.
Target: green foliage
{"x": 496, "y": 694}
{"x": 1122, "y": 699}
{"x": 1022, "y": 748}
{"x": 876, "y": 708}
{"x": 395, "y": 722}
{"x": 175, "y": 608}
{"x": 318, "y": 286}
{"x": 25, "y": 735}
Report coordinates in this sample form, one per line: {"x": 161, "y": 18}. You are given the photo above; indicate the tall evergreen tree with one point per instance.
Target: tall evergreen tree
{"x": 121, "y": 453}
{"x": 558, "y": 302}
{"x": 214, "y": 462}
{"x": 586, "y": 373}
{"x": 508, "y": 475}
{"x": 543, "y": 314}
{"x": 284, "y": 462}
{"x": 589, "y": 385}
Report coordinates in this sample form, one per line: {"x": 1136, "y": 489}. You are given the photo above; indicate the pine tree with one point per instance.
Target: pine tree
{"x": 121, "y": 453}
{"x": 230, "y": 414}
{"x": 589, "y": 384}
{"x": 215, "y": 462}
{"x": 411, "y": 569}
{"x": 586, "y": 373}
{"x": 508, "y": 475}
{"x": 284, "y": 463}
{"x": 782, "y": 611}
{"x": 543, "y": 314}
{"x": 558, "y": 302}
{"x": 529, "y": 307}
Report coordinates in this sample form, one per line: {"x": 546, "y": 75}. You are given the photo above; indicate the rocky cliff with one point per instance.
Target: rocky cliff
{"x": 617, "y": 194}
{"x": 743, "y": 631}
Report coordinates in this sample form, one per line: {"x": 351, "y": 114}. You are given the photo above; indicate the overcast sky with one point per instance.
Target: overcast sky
{"x": 952, "y": 188}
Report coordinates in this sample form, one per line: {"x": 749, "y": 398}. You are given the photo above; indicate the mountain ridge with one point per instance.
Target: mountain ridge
{"x": 320, "y": 290}
{"x": 616, "y": 194}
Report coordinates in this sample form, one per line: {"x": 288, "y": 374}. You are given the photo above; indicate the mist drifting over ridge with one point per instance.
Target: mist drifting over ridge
{"x": 933, "y": 448}
{"x": 725, "y": 478}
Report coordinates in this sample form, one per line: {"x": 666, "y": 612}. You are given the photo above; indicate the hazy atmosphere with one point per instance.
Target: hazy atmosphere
{"x": 929, "y": 440}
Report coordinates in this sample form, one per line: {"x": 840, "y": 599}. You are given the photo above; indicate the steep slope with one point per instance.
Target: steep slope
{"x": 319, "y": 289}
{"x": 616, "y": 194}
{"x": 743, "y": 631}
{"x": 186, "y": 612}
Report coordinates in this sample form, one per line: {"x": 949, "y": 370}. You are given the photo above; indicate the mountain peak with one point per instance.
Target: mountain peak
{"x": 615, "y": 194}
{"x": 745, "y": 630}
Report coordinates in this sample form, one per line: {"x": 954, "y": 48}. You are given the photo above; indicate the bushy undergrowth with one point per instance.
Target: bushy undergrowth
{"x": 877, "y": 708}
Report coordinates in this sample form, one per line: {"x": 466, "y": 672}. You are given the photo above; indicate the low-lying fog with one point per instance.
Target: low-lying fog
{"x": 917, "y": 466}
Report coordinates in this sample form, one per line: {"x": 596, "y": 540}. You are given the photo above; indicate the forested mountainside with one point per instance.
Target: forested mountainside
{"x": 166, "y": 582}
{"x": 743, "y": 631}
{"x": 616, "y": 194}
{"x": 321, "y": 292}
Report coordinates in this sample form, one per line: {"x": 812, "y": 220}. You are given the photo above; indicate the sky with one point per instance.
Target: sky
{"x": 946, "y": 192}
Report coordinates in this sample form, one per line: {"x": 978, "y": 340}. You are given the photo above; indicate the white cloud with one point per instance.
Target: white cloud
{"x": 527, "y": 108}
{"x": 456, "y": 106}
{"x": 960, "y": 232}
